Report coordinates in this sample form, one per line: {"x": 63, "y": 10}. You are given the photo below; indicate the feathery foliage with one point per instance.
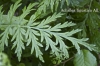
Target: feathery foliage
{"x": 48, "y": 34}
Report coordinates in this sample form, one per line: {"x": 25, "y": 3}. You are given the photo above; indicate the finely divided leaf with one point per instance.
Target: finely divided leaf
{"x": 18, "y": 42}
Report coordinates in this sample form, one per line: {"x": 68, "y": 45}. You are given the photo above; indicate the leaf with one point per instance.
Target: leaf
{"x": 49, "y": 19}
{"x": 76, "y": 43}
{"x": 50, "y": 3}
{"x": 31, "y": 38}
{"x": 67, "y": 1}
{"x": 4, "y": 38}
{"x": 56, "y": 4}
{"x": 27, "y": 10}
{"x": 4, "y": 60}
{"x": 12, "y": 10}
{"x": 1, "y": 13}
{"x": 72, "y": 32}
{"x": 18, "y": 41}
{"x": 38, "y": 32}
{"x": 85, "y": 58}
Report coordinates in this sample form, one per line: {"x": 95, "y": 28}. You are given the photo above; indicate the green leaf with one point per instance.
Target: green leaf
{"x": 85, "y": 58}
{"x": 49, "y": 19}
{"x": 40, "y": 33}
{"x": 12, "y": 10}
{"x": 31, "y": 38}
{"x": 27, "y": 10}
{"x": 18, "y": 41}
{"x": 52, "y": 4}
{"x": 67, "y": 1}
{"x": 4, "y": 37}
{"x": 49, "y": 3}
{"x": 4, "y": 60}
